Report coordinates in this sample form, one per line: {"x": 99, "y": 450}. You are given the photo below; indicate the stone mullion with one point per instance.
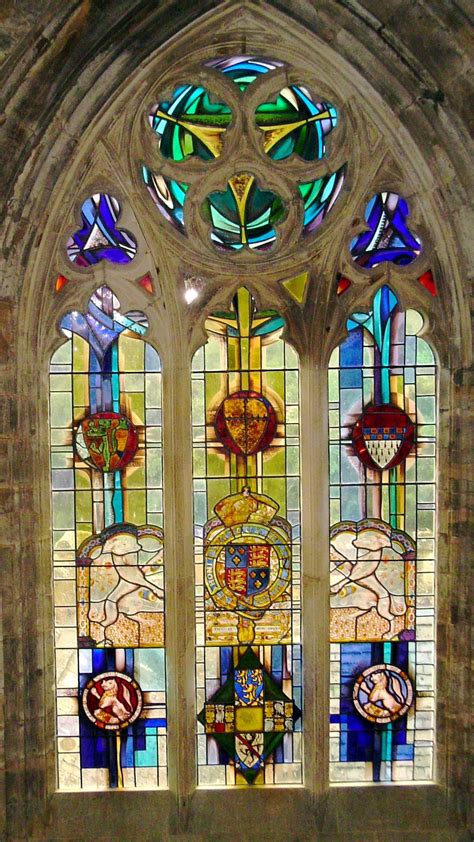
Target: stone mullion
{"x": 179, "y": 553}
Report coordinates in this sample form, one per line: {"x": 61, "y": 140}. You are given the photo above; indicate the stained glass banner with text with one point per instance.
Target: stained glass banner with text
{"x": 245, "y": 391}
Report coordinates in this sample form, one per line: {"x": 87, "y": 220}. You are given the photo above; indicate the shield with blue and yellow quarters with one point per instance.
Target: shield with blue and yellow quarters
{"x": 247, "y": 568}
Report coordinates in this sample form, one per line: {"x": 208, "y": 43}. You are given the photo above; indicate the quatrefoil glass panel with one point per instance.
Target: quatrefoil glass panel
{"x": 295, "y": 123}
{"x": 243, "y": 215}
{"x": 190, "y": 124}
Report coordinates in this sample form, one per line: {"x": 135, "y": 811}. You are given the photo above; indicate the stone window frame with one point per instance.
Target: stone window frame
{"x": 106, "y": 159}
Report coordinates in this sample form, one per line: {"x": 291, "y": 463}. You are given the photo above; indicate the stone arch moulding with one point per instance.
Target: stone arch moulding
{"x": 74, "y": 133}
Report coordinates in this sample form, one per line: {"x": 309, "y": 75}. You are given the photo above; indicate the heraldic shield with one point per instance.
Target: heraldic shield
{"x": 248, "y": 564}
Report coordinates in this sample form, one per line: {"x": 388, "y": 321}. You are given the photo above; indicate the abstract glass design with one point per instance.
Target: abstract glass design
{"x": 99, "y": 238}
{"x": 105, "y": 415}
{"x": 388, "y": 238}
{"x": 243, "y": 70}
{"x": 243, "y": 215}
{"x": 247, "y": 549}
{"x": 319, "y": 197}
{"x": 168, "y": 195}
{"x": 190, "y": 124}
{"x": 295, "y": 123}
{"x": 382, "y": 415}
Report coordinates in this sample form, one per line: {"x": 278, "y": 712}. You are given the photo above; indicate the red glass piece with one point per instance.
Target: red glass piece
{"x": 429, "y": 283}
{"x": 147, "y": 283}
{"x": 343, "y": 284}
{"x": 107, "y": 440}
{"x": 383, "y": 437}
{"x": 61, "y": 282}
{"x": 112, "y": 700}
{"x": 245, "y": 423}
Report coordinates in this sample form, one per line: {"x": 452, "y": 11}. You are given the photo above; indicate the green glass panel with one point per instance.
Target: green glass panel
{"x": 63, "y": 509}
{"x": 334, "y": 463}
{"x": 131, "y": 354}
{"x": 153, "y": 468}
{"x": 153, "y": 390}
{"x": 426, "y": 409}
{"x": 84, "y": 506}
{"x": 425, "y": 384}
{"x": 135, "y": 407}
{"x": 63, "y": 354}
{"x": 426, "y": 523}
{"x": 275, "y": 489}
{"x": 292, "y": 460}
{"x": 197, "y": 387}
{"x": 275, "y": 381}
{"x": 273, "y": 355}
{"x": 215, "y": 355}
{"x": 82, "y": 479}
{"x": 216, "y": 465}
{"x": 292, "y": 387}
{"x": 426, "y": 469}
{"x": 426, "y": 493}
{"x": 424, "y": 354}
{"x": 133, "y": 382}
{"x": 291, "y": 357}
{"x": 135, "y": 507}
{"x": 60, "y": 382}
{"x": 199, "y": 462}
{"x": 81, "y": 390}
{"x": 217, "y": 489}
{"x": 274, "y": 462}
{"x": 134, "y": 476}
{"x": 61, "y": 409}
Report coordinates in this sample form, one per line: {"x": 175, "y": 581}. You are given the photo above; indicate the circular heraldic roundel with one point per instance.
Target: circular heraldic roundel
{"x": 245, "y": 423}
{"x": 383, "y": 436}
{"x": 112, "y": 700}
{"x": 382, "y": 693}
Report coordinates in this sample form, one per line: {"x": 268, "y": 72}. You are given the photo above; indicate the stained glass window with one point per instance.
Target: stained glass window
{"x": 100, "y": 238}
{"x": 243, "y": 70}
{"x": 295, "y": 123}
{"x": 319, "y": 197}
{"x": 243, "y": 215}
{"x": 168, "y": 195}
{"x": 106, "y": 468}
{"x": 382, "y": 415}
{"x": 245, "y": 387}
{"x": 190, "y": 124}
{"x": 388, "y": 237}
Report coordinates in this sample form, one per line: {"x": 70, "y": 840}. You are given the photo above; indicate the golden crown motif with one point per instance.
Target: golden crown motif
{"x": 246, "y": 507}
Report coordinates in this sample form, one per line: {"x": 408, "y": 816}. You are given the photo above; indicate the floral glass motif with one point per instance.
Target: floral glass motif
{"x": 243, "y": 70}
{"x": 99, "y": 238}
{"x": 388, "y": 238}
{"x": 247, "y": 536}
{"x": 295, "y": 123}
{"x": 105, "y": 416}
{"x": 382, "y": 380}
{"x": 319, "y": 197}
{"x": 243, "y": 215}
{"x": 168, "y": 195}
{"x": 190, "y": 124}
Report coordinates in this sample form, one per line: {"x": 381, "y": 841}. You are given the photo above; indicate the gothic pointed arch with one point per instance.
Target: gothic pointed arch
{"x": 80, "y": 84}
